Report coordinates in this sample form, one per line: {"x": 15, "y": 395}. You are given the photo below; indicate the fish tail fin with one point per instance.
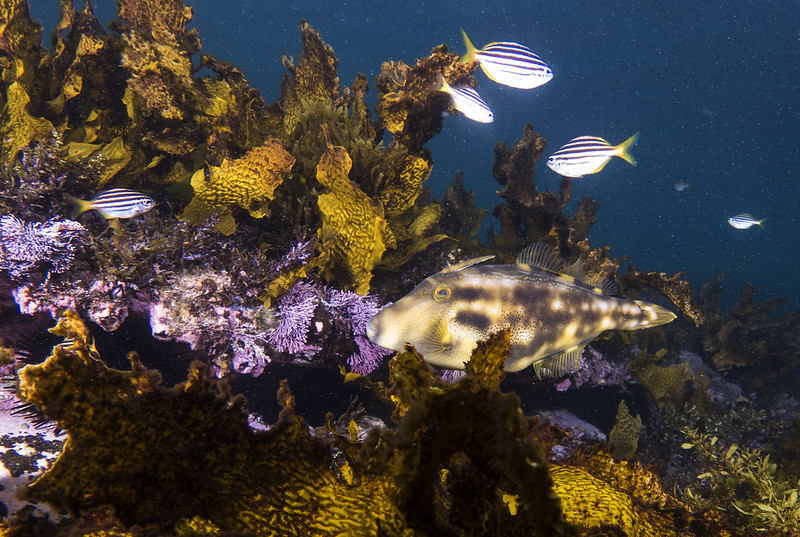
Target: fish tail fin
{"x": 469, "y": 55}
{"x": 761, "y": 223}
{"x": 78, "y": 206}
{"x": 441, "y": 84}
{"x": 653, "y": 315}
{"x": 625, "y": 149}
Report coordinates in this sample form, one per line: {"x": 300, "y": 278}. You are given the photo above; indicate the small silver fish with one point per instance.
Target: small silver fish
{"x": 114, "y": 203}
{"x": 585, "y": 155}
{"x": 745, "y": 221}
{"x": 681, "y": 185}
{"x": 551, "y": 309}
{"x": 466, "y": 100}
{"x": 510, "y": 64}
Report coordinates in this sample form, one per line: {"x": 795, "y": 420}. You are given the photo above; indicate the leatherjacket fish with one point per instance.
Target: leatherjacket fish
{"x": 551, "y": 310}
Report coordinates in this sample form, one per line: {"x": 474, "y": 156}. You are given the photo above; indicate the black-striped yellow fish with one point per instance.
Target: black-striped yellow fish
{"x": 508, "y": 63}
{"x": 551, "y": 313}
{"x": 585, "y": 155}
{"x": 466, "y": 100}
{"x": 114, "y": 203}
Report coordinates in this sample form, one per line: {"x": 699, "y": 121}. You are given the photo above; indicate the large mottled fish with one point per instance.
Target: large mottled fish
{"x": 586, "y": 155}
{"x": 466, "y": 100}
{"x": 551, "y": 313}
{"x": 510, "y": 64}
{"x": 114, "y": 203}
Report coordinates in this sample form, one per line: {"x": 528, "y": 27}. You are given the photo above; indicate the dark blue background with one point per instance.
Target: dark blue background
{"x": 712, "y": 86}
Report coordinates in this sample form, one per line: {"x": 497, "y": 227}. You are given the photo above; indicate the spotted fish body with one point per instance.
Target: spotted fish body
{"x": 550, "y": 314}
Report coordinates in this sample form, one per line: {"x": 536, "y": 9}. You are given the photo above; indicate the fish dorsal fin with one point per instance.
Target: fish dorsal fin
{"x": 599, "y": 283}
{"x": 575, "y": 270}
{"x": 557, "y": 365}
{"x": 604, "y": 285}
{"x": 466, "y": 263}
{"x": 541, "y": 255}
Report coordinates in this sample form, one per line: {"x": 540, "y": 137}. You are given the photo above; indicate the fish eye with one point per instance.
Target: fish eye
{"x": 442, "y": 293}
{"x": 551, "y": 160}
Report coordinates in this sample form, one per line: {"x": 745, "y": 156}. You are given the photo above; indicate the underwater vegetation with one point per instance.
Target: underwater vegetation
{"x": 214, "y": 472}
{"x": 279, "y": 230}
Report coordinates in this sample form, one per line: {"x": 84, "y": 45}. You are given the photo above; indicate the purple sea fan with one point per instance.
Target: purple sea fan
{"x": 355, "y": 311}
{"x": 25, "y": 245}
{"x": 295, "y": 311}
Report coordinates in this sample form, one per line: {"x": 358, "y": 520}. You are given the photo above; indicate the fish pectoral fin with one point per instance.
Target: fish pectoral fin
{"x": 436, "y": 339}
{"x": 557, "y": 365}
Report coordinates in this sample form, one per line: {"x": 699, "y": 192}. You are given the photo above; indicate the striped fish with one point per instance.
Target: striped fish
{"x": 745, "y": 221}
{"x": 551, "y": 309}
{"x": 466, "y": 100}
{"x": 585, "y": 155}
{"x": 510, "y": 64}
{"x": 114, "y": 203}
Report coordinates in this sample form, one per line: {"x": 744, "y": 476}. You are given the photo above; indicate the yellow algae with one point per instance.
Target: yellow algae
{"x": 591, "y": 503}
{"x": 352, "y": 221}
{"x": 18, "y": 127}
{"x": 624, "y": 436}
{"x": 248, "y": 182}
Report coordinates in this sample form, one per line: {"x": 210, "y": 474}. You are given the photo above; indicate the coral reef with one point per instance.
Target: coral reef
{"x": 277, "y": 230}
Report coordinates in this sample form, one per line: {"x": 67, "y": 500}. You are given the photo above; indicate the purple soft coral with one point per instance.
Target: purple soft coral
{"x": 368, "y": 357}
{"x": 349, "y": 314}
{"x": 356, "y": 311}
{"x": 295, "y": 311}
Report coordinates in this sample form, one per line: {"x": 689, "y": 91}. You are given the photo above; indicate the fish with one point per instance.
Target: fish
{"x": 466, "y": 100}
{"x": 745, "y": 221}
{"x": 586, "y": 155}
{"x": 508, "y": 63}
{"x": 551, "y": 309}
{"x": 681, "y": 185}
{"x": 114, "y": 203}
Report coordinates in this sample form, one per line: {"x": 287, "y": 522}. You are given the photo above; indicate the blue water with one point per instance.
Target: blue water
{"x": 712, "y": 87}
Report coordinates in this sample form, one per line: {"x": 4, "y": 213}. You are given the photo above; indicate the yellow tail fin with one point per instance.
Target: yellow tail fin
{"x": 469, "y": 55}
{"x": 654, "y": 315}
{"x": 625, "y": 148}
{"x": 79, "y": 206}
{"x": 441, "y": 84}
